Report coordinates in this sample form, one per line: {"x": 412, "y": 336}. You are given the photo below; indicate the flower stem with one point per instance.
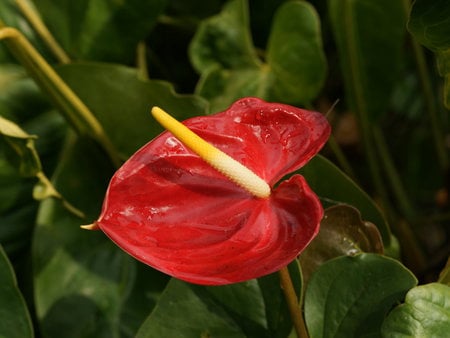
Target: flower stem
{"x": 40, "y": 28}
{"x": 75, "y": 111}
{"x": 293, "y": 304}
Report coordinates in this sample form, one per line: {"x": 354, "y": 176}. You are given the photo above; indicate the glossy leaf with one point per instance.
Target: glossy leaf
{"x": 343, "y": 190}
{"x": 293, "y": 71}
{"x": 125, "y": 114}
{"x": 370, "y": 57}
{"x": 342, "y": 233}
{"x": 429, "y": 22}
{"x": 255, "y": 308}
{"x": 90, "y": 279}
{"x": 101, "y": 30}
{"x": 350, "y": 296}
{"x": 425, "y": 313}
{"x": 170, "y": 209}
{"x": 15, "y": 320}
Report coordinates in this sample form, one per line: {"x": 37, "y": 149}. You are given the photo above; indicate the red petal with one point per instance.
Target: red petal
{"x": 169, "y": 209}
{"x": 272, "y": 139}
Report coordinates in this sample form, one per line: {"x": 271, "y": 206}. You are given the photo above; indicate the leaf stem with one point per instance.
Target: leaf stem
{"x": 293, "y": 303}
{"x": 74, "y": 110}
{"x": 39, "y": 26}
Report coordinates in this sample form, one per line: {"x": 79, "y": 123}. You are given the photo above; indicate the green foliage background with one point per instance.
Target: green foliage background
{"x": 379, "y": 69}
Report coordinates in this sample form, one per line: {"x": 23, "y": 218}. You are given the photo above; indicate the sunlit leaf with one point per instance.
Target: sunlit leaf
{"x": 425, "y": 313}
{"x": 15, "y": 320}
{"x": 350, "y": 296}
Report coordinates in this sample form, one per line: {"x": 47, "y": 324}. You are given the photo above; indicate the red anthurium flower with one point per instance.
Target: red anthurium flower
{"x": 170, "y": 209}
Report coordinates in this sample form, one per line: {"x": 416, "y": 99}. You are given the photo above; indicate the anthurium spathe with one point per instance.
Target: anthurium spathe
{"x": 170, "y": 209}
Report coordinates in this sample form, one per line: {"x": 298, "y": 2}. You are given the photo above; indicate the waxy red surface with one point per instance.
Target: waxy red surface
{"x": 169, "y": 209}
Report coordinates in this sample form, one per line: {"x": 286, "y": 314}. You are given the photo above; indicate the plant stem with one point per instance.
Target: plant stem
{"x": 74, "y": 110}
{"x": 141, "y": 60}
{"x": 429, "y": 97}
{"x": 293, "y": 304}
{"x": 40, "y": 28}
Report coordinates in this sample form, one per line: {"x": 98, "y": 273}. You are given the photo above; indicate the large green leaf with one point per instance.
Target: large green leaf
{"x": 350, "y": 296}
{"x": 122, "y": 102}
{"x": 255, "y": 308}
{"x": 82, "y": 280}
{"x": 186, "y": 311}
{"x": 100, "y": 29}
{"x": 425, "y": 313}
{"x": 294, "y": 69}
{"x": 15, "y": 320}
{"x": 429, "y": 22}
{"x": 339, "y": 188}
{"x": 369, "y": 38}
{"x": 295, "y": 55}
{"x": 224, "y": 40}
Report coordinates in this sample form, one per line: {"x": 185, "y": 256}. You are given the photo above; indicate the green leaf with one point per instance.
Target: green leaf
{"x": 429, "y": 22}
{"x": 255, "y": 308}
{"x": 223, "y": 86}
{"x": 15, "y": 320}
{"x": 83, "y": 282}
{"x": 295, "y": 54}
{"x": 100, "y": 29}
{"x": 350, "y": 296}
{"x": 425, "y": 313}
{"x": 339, "y": 188}
{"x": 369, "y": 36}
{"x": 124, "y": 112}
{"x": 342, "y": 232}
{"x": 224, "y": 40}
{"x": 222, "y": 51}
{"x": 26, "y": 157}
{"x": 192, "y": 313}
